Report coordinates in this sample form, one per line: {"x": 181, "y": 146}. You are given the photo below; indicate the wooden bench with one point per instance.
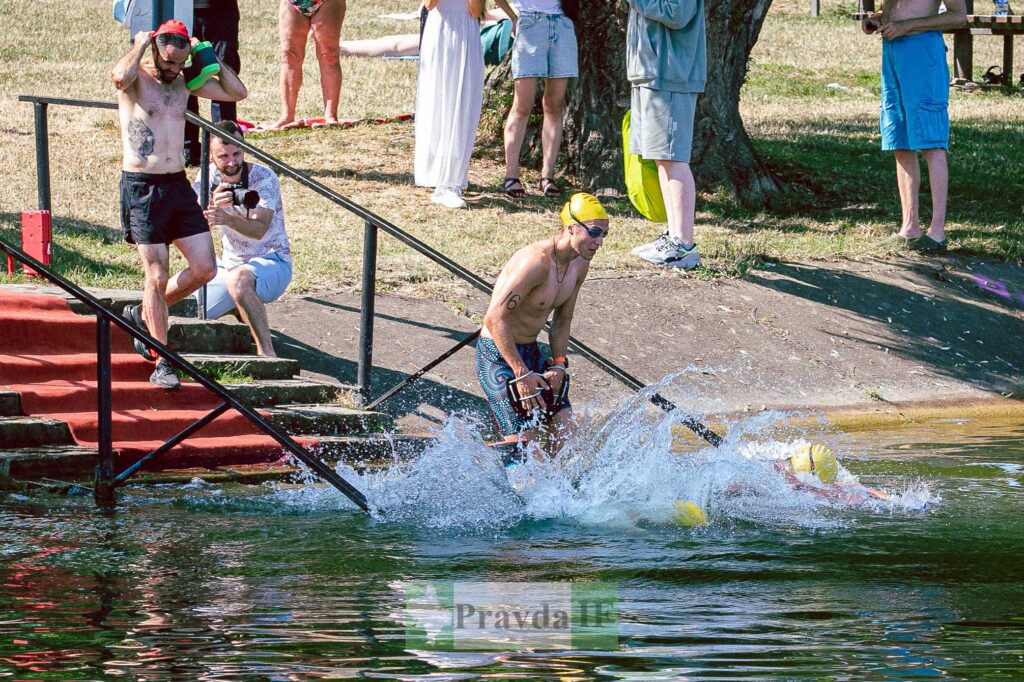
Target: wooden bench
{"x": 963, "y": 38}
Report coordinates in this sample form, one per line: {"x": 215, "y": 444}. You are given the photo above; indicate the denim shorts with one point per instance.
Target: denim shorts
{"x": 544, "y": 47}
{"x": 915, "y": 92}
{"x": 273, "y": 275}
{"x": 661, "y": 124}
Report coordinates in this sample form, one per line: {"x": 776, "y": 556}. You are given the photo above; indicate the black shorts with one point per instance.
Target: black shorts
{"x": 159, "y": 209}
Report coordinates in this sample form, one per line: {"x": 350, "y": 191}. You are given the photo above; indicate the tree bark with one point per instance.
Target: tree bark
{"x": 598, "y": 99}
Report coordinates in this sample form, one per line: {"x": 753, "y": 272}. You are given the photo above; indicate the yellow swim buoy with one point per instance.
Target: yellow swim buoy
{"x": 689, "y": 514}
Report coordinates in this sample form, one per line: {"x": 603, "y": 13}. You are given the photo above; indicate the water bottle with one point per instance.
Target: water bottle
{"x": 1000, "y": 8}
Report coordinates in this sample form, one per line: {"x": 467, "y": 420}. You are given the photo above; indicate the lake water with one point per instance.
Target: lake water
{"x": 289, "y": 582}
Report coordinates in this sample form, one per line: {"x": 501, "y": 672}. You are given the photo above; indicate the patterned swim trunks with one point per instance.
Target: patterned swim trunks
{"x": 306, "y": 8}
{"x": 494, "y": 374}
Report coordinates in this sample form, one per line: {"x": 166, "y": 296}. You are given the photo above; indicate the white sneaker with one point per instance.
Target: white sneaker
{"x": 650, "y": 246}
{"x": 671, "y": 253}
{"x": 449, "y": 197}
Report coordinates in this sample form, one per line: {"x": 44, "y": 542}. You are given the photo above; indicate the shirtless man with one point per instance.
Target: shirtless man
{"x": 158, "y": 206}
{"x": 540, "y": 278}
{"x": 915, "y": 100}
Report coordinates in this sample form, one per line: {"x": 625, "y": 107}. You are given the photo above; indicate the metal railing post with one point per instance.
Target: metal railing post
{"x": 42, "y": 156}
{"x": 366, "y": 310}
{"x": 104, "y": 486}
{"x": 204, "y": 200}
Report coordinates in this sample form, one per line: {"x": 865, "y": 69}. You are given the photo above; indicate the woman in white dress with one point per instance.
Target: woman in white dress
{"x": 449, "y": 95}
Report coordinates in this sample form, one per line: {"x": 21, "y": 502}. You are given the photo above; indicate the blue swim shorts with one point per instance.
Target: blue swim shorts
{"x": 544, "y": 47}
{"x": 915, "y": 92}
{"x": 273, "y": 275}
{"x": 494, "y": 373}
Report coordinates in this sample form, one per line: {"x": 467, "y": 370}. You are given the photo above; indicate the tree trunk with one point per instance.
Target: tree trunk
{"x": 592, "y": 141}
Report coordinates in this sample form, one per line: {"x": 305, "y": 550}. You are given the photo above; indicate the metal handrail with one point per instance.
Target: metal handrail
{"x": 106, "y": 482}
{"x": 372, "y": 223}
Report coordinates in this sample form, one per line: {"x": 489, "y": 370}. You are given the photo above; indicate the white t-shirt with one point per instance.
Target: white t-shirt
{"x": 539, "y": 6}
{"x": 239, "y": 249}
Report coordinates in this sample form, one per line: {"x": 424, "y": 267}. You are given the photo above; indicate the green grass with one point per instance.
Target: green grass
{"x": 810, "y": 106}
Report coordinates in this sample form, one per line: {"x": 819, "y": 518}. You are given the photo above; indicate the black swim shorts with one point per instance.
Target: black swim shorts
{"x": 159, "y": 209}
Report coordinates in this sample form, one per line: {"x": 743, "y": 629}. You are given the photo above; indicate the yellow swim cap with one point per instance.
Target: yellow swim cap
{"x": 582, "y": 207}
{"x": 689, "y": 514}
{"x": 818, "y": 460}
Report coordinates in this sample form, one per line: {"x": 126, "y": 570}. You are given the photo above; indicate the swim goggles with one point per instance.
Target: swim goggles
{"x": 594, "y": 232}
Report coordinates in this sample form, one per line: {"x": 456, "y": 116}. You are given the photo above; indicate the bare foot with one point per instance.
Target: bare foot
{"x": 325, "y": 122}
{"x": 910, "y": 232}
{"x": 285, "y": 123}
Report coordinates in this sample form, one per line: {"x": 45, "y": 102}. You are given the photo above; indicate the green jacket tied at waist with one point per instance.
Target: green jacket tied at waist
{"x": 665, "y": 45}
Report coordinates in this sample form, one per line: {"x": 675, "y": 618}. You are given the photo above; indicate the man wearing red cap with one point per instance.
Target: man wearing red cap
{"x": 158, "y": 206}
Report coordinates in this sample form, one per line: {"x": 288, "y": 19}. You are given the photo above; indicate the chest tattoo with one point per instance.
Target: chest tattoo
{"x": 140, "y": 138}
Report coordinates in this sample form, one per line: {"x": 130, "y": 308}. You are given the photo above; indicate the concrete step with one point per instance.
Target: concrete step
{"x": 47, "y": 461}
{"x": 329, "y": 420}
{"x": 30, "y": 432}
{"x": 253, "y": 366}
{"x": 10, "y": 403}
{"x": 276, "y": 392}
{"x": 187, "y": 335}
{"x": 370, "y": 450}
{"x": 76, "y": 463}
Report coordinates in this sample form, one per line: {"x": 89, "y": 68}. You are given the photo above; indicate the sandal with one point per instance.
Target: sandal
{"x": 510, "y": 188}
{"x": 548, "y": 188}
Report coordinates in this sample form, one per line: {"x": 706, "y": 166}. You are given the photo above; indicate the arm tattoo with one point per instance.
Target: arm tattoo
{"x": 512, "y": 300}
{"x": 141, "y": 138}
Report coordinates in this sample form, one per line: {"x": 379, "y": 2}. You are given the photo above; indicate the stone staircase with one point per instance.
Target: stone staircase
{"x": 48, "y": 426}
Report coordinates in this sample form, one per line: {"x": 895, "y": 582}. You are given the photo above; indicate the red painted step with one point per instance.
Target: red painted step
{"x": 48, "y": 355}
{"x": 132, "y": 425}
{"x": 72, "y": 366}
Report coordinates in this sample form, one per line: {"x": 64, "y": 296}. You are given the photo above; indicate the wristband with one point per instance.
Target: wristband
{"x": 560, "y": 360}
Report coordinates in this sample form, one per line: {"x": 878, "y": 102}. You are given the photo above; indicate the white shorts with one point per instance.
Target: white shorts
{"x": 273, "y": 275}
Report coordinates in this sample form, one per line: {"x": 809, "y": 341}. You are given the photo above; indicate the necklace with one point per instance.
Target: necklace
{"x": 557, "y": 278}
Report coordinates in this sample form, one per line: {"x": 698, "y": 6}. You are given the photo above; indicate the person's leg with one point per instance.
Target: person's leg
{"x": 293, "y": 31}
{"x": 908, "y": 179}
{"x": 551, "y": 138}
{"x": 201, "y": 268}
{"x": 154, "y": 294}
{"x": 241, "y": 284}
{"x": 680, "y": 194}
{"x": 524, "y": 93}
{"x": 938, "y": 180}
{"x": 326, "y": 25}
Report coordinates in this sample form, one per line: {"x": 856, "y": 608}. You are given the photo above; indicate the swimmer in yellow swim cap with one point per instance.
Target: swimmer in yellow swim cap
{"x": 820, "y": 462}
{"x": 527, "y": 386}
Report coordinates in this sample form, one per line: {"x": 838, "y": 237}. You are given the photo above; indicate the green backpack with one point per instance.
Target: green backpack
{"x": 642, "y": 184}
{"x": 496, "y": 41}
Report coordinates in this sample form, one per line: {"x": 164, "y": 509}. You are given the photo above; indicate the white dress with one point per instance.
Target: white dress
{"x": 449, "y": 94}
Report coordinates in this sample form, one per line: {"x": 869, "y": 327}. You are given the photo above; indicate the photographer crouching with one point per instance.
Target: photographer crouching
{"x": 255, "y": 267}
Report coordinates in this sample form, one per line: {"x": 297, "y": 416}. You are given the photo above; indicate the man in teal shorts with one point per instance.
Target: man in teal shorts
{"x": 915, "y": 106}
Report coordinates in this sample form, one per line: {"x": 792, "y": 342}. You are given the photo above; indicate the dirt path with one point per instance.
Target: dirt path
{"x": 869, "y": 335}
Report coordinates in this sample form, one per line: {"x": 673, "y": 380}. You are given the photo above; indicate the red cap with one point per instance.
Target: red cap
{"x": 172, "y": 26}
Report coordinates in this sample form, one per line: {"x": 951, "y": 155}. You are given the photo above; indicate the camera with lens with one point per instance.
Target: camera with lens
{"x": 243, "y": 196}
